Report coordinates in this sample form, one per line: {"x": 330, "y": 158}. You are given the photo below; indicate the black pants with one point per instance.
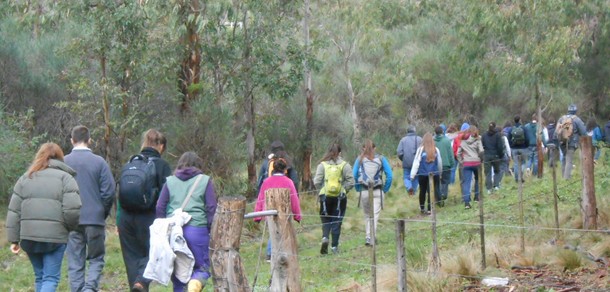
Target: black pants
{"x": 332, "y": 217}
{"x": 424, "y": 190}
{"x": 134, "y": 237}
{"x": 495, "y": 162}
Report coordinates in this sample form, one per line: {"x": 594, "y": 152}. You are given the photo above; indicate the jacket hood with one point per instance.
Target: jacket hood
{"x": 187, "y": 173}
{"x": 471, "y": 139}
{"x": 438, "y": 138}
{"x": 57, "y": 164}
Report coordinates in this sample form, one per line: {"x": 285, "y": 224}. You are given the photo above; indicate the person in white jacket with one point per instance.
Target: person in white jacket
{"x": 427, "y": 161}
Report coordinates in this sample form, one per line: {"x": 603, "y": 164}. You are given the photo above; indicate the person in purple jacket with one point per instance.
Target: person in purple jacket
{"x": 201, "y": 207}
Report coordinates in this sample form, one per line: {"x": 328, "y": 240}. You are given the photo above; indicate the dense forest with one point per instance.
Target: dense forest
{"x": 225, "y": 78}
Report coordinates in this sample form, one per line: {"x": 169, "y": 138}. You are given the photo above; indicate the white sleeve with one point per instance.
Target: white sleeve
{"x": 416, "y": 160}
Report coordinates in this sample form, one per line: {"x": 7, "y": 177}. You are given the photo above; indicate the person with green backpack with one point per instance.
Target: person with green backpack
{"x": 334, "y": 179}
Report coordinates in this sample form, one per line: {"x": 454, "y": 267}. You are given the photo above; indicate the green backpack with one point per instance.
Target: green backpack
{"x": 333, "y": 175}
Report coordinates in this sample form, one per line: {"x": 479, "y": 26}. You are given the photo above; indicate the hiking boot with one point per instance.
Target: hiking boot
{"x": 194, "y": 285}
{"x": 467, "y": 206}
{"x": 335, "y": 249}
{"x": 138, "y": 287}
{"x": 411, "y": 192}
{"x": 367, "y": 242}
{"x": 324, "y": 248}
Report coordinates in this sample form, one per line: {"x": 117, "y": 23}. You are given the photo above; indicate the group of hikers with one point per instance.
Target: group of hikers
{"x": 60, "y": 205}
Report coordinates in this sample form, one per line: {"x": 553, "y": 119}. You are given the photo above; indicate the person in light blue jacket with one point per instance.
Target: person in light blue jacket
{"x": 368, "y": 169}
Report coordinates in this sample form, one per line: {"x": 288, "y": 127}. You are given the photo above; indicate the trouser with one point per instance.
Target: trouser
{"x": 409, "y": 183}
{"x": 566, "y": 163}
{"x": 86, "y": 244}
{"x": 492, "y": 164}
{"x": 445, "y": 180}
{"x": 134, "y": 236}
{"x": 519, "y": 157}
{"x": 332, "y": 210}
{"x": 455, "y": 167}
{"x": 532, "y": 159}
{"x": 424, "y": 190}
{"x": 469, "y": 172}
{"x": 364, "y": 201}
{"x": 47, "y": 268}
{"x": 198, "y": 241}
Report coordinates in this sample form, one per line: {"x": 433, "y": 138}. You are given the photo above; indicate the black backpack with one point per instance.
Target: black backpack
{"x": 517, "y": 136}
{"x": 138, "y": 184}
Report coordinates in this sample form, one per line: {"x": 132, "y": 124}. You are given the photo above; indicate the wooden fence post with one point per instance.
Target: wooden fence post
{"x": 227, "y": 266}
{"x": 521, "y": 216}
{"x": 553, "y": 162}
{"x": 285, "y": 273}
{"x": 589, "y": 202}
{"x": 401, "y": 256}
{"x": 435, "y": 262}
{"x": 482, "y": 217}
{"x": 371, "y": 211}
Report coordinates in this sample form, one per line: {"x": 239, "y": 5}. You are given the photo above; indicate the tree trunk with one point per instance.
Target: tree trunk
{"x": 106, "y": 109}
{"x": 249, "y": 105}
{"x": 352, "y": 105}
{"x": 191, "y": 64}
{"x": 539, "y": 134}
{"x": 307, "y": 181}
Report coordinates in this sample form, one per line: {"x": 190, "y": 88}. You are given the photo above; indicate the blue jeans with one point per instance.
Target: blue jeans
{"x": 468, "y": 172}
{"x": 519, "y": 163}
{"x": 47, "y": 268}
{"x": 409, "y": 184}
{"x": 532, "y": 159}
{"x": 455, "y": 166}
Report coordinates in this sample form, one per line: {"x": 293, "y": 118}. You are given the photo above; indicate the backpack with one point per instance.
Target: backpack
{"x": 565, "y": 129}
{"x": 333, "y": 175}
{"x": 551, "y": 130}
{"x": 372, "y": 167}
{"x": 517, "y": 136}
{"x": 138, "y": 184}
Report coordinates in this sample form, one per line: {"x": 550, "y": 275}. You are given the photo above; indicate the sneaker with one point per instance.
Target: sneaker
{"x": 488, "y": 192}
{"x": 367, "y": 242}
{"x": 268, "y": 258}
{"x": 496, "y": 189}
{"x": 335, "y": 249}
{"x": 138, "y": 287}
{"x": 194, "y": 285}
{"x": 467, "y": 206}
{"x": 528, "y": 172}
{"x": 324, "y": 248}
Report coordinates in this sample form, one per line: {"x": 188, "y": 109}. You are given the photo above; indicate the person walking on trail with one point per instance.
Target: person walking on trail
{"x": 493, "y": 146}
{"x": 506, "y": 157}
{"x": 443, "y": 144}
{"x": 597, "y": 137}
{"x": 531, "y": 130}
{"x": 43, "y": 209}
{"x": 368, "y": 169}
{"x": 277, "y": 150}
{"x": 452, "y": 133}
{"x": 202, "y": 208}
{"x": 428, "y": 161}
{"x": 97, "y": 187}
{"x": 470, "y": 155}
{"x": 517, "y": 140}
{"x": 456, "y": 145}
{"x": 568, "y": 130}
{"x": 334, "y": 179}
{"x": 406, "y": 153}
{"x": 133, "y": 223}
{"x": 278, "y": 180}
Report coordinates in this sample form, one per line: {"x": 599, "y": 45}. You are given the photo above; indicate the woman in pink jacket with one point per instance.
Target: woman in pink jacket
{"x": 278, "y": 180}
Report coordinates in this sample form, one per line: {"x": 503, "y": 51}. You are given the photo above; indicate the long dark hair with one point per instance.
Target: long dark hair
{"x": 279, "y": 165}
{"x": 189, "y": 159}
{"x": 591, "y": 124}
{"x": 333, "y": 152}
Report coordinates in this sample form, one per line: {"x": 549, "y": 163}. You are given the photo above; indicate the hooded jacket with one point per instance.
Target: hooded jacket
{"x": 493, "y": 144}
{"x": 46, "y": 207}
{"x": 444, "y": 147}
{"x": 407, "y": 147}
{"x": 470, "y": 152}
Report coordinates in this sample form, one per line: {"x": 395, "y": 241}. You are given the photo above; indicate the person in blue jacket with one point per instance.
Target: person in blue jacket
{"x": 368, "y": 169}
{"x": 595, "y": 133}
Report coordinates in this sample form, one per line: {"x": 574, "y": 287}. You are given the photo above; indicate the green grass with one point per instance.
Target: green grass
{"x": 458, "y": 241}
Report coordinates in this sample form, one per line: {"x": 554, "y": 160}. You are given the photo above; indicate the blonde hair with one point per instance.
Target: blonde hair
{"x": 46, "y": 152}
{"x": 153, "y": 138}
{"x": 429, "y": 147}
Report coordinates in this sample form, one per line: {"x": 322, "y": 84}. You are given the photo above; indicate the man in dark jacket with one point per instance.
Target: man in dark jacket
{"x": 406, "y": 153}
{"x": 444, "y": 147}
{"x": 96, "y": 185}
{"x": 519, "y": 147}
{"x": 493, "y": 145}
